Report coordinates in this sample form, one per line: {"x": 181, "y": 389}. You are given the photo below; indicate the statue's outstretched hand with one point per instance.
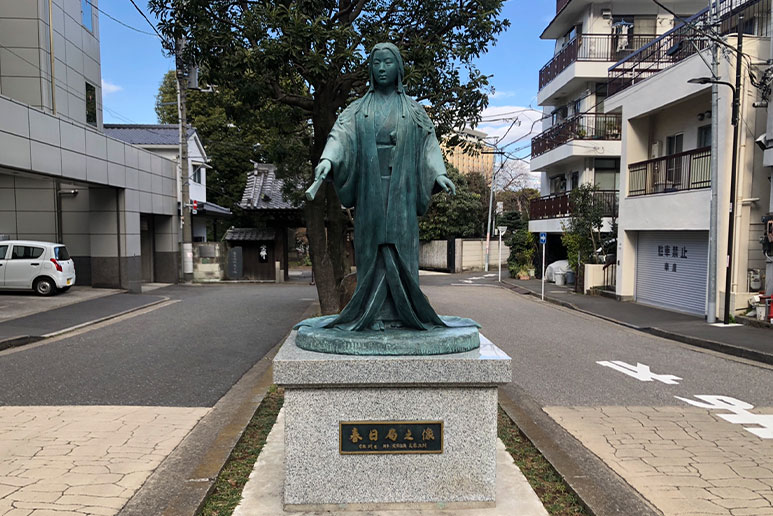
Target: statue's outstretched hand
{"x": 322, "y": 169}
{"x": 446, "y": 184}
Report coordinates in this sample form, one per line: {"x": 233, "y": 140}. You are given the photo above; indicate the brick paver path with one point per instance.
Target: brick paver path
{"x": 71, "y": 461}
{"x": 686, "y": 461}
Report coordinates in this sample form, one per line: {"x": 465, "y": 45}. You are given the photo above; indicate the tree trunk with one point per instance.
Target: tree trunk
{"x": 321, "y": 263}
{"x": 326, "y": 222}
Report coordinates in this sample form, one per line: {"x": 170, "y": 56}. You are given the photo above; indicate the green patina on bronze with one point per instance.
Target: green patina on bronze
{"x": 385, "y": 161}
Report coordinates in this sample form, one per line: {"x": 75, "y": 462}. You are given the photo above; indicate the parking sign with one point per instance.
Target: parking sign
{"x": 543, "y": 238}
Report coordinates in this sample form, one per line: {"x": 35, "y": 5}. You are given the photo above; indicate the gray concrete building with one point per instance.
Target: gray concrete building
{"x": 61, "y": 178}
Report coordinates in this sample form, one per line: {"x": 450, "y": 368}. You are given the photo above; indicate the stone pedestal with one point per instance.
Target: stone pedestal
{"x": 324, "y": 390}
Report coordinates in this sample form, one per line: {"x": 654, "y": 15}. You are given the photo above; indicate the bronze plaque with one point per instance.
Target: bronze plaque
{"x": 356, "y": 437}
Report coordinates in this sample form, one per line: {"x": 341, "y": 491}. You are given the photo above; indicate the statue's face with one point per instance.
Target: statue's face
{"x": 385, "y": 68}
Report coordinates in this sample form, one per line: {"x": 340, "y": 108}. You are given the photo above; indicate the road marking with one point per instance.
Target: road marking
{"x": 740, "y": 413}
{"x": 489, "y": 275}
{"x": 640, "y": 371}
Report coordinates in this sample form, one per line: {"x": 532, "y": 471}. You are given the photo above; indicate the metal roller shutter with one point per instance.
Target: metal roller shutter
{"x": 674, "y": 282}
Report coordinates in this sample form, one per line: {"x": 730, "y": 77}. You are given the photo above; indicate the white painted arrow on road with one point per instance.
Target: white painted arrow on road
{"x": 740, "y": 413}
{"x": 640, "y": 371}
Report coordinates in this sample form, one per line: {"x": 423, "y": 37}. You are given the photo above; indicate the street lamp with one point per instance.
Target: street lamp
{"x": 733, "y": 169}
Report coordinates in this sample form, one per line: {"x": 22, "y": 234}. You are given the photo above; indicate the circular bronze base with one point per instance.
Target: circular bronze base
{"x": 393, "y": 341}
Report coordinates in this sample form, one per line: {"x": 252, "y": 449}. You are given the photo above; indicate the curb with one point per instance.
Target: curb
{"x": 600, "y": 489}
{"x": 713, "y": 345}
{"x": 22, "y": 340}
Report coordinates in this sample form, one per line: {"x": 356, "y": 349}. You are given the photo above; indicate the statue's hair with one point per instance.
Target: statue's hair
{"x": 400, "y": 67}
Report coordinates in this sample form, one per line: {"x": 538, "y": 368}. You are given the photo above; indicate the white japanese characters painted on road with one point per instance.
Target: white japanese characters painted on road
{"x": 640, "y": 371}
{"x": 740, "y": 413}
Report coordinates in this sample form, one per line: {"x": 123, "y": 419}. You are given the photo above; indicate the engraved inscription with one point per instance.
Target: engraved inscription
{"x": 390, "y": 437}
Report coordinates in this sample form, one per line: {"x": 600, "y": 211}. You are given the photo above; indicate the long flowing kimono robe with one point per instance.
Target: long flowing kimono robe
{"x": 386, "y": 230}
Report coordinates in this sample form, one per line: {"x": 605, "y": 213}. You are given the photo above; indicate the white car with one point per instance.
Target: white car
{"x": 44, "y": 267}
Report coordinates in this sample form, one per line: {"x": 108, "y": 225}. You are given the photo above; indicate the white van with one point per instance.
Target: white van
{"x": 44, "y": 267}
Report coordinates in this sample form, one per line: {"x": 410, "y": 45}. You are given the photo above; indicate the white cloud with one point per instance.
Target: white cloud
{"x": 108, "y": 87}
{"x": 500, "y": 94}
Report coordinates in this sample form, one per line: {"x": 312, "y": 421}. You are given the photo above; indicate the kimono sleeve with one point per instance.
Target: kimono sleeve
{"x": 341, "y": 151}
{"x": 431, "y": 166}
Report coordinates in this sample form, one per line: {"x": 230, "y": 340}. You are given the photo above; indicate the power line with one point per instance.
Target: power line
{"x": 135, "y": 29}
{"x": 148, "y": 20}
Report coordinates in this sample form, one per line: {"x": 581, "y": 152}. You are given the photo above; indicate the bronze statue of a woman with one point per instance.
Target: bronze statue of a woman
{"x": 385, "y": 161}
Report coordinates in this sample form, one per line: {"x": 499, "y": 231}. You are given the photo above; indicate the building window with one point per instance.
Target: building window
{"x": 607, "y": 173}
{"x": 575, "y": 180}
{"x": 91, "y": 104}
{"x": 196, "y": 176}
{"x": 86, "y": 15}
{"x": 704, "y": 136}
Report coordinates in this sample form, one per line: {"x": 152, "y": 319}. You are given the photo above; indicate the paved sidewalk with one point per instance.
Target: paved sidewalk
{"x": 685, "y": 461}
{"x": 743, "y": 341}
{"x": 90, "y": 460}
{"x": 262, "y": 495}
{"x": 46, "y": 323}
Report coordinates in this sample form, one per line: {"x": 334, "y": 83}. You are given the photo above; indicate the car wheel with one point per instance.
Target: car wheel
{"x": 44, "y": 287}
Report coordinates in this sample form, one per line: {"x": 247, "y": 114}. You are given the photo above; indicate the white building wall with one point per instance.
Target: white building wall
{"x": 663, "y": 105}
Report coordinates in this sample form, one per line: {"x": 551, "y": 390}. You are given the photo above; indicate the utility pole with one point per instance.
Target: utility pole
{"x": 185, "y": 205}
{"x": 733, "y": 168}
{"x": 769, "y": 136}
{"x": 490, "y": 205}
{"x": 711, "y": 305}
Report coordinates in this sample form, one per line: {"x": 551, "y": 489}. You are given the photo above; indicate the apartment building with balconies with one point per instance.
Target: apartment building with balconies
{"x": 61, "y": 178}
{"x": 580, "y": 141}
{"x": 664, "y": 239}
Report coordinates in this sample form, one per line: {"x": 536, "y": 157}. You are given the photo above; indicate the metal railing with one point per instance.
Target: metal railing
{"x": 559, "y": 205}
{"x": 587, "y": 126}
{"x": 688, "y": 170}
{"x": 592, "y": 47}
{"x": 684, "y": 41}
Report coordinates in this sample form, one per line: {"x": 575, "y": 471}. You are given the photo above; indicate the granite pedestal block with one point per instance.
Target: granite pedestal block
{"x": 323, "y": 390}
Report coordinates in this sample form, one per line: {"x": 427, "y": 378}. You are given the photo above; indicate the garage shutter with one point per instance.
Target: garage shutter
{"x": 674, "y": 282}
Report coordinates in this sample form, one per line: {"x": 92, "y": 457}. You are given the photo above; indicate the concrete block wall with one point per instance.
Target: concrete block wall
{"x": 25, "y": 62}
{"x": 166, "y": 254}
{"x": 28, "y": 208}
{"x": 41, "y": 154}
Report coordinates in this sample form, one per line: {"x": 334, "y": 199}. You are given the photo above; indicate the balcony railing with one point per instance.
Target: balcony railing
{"x": 683, "y": 41}
{"x": 675, "y": 173}
{"x": 559, "y": 205}
{"x": 592, "y": 47}
{"x": 588, "y": 126}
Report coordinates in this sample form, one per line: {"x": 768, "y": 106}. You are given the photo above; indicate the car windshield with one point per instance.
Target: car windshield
{"x": 61, "y": 253}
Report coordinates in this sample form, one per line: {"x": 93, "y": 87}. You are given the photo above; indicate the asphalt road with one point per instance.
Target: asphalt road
{"x": 183, "y": 354}
{"x": 555, "y": 350}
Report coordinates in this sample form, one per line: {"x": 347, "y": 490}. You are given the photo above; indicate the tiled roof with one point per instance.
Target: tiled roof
{"x": 210, "y": 208}
{"x": 249, "y": 234}
{"x": 141, "y": 134}
{"x": 264, "y": 190}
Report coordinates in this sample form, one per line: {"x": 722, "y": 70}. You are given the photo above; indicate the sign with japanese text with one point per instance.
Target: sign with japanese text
{"x": 356, "y": 437}
{"x": 672, "y": 254}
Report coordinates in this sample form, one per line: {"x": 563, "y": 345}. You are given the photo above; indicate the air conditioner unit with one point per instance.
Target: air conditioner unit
{"x": 656, "y": 149}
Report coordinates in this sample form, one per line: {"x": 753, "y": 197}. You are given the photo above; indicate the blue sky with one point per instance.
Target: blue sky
{"x": 133, "y": 65}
